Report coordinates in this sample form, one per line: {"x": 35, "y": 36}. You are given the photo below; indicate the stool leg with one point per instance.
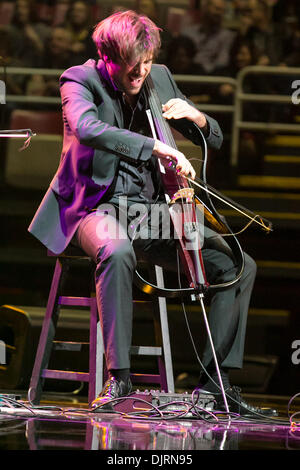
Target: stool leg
{"x": 100, "y": 363}
{"x": 47, "y": 335}
{"x": 96, "y": 353}
{"x": 162, "y": 336}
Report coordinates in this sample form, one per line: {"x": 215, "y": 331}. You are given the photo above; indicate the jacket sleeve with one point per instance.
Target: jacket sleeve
{"x": 79, "y": 94}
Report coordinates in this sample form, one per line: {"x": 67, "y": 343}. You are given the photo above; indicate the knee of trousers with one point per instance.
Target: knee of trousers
{"x": 250, "y": 268}
{"x": 220, "y": 267}
{"x": 117, "y": 254}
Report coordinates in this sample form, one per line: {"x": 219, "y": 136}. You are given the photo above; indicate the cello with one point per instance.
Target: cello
{"x": 184, "y": 208}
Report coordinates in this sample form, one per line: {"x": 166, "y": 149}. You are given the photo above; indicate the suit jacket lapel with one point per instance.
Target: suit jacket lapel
{"x": 111, "y": 90}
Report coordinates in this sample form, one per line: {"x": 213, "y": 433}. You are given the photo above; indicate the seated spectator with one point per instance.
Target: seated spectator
{"x": 180, "y": 56}
{"x": 242, "y": 54}
{"x": 255, "y": 25}
{"x": 29, "y": 36}
{"x": 213, "y": 41}
{"x": 291, "y": 56}
{"x": 60, "y": 10}
{"x": 79, "y": 24}
{"x": 58, "y": 52}
{"x": 14, "y": 83}
{"x": 58, "y": 55}
{"x": 180, "y": 59}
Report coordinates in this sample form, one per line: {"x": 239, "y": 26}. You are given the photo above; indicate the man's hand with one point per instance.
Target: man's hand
{"x": 166, "y": 152}
{"x": 177, "y": 108}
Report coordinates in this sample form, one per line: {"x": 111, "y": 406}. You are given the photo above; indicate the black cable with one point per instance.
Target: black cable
{"x": 272, "y": 419}
{"x": 263, "y": 417}
{"x": 16, "y": 403}
{"x": 146, "y": 414}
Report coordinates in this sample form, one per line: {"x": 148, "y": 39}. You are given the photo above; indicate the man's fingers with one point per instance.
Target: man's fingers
{"x": 175, "y": 115}
{"x": 175, "y": 110}
{"x": 186, "y": 169}
{"x": 169, "y": 104}
{"x": 183, "y": 166}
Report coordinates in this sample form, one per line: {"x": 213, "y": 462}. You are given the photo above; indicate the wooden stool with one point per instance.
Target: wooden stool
{"x": 95, "y": 376}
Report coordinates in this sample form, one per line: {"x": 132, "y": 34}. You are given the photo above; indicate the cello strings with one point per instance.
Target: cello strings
{"x": 155, "y": 105}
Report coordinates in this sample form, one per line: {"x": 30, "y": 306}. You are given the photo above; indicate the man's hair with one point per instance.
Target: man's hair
{"x": 128, "y": 36}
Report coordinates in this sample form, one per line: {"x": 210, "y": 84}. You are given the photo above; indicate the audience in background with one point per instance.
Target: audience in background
{"x": 58, "y": 55}
{"x": 213, "y": 41}
{"x": 242, "y": 54}
{"x": 180, "y": 56}
{"x": 275, "y": 36}
{"x": 14, "y": 83}
{"x": 58, "y": 51}
{"x": 180, "y": 59}
{"x": 60, "y": 10}
{"x": 62, "y": 38}
{"x": 79, "y": 25}
{"x": 28, "y": 35}
{"x": 291, "y": 55}
{"x": 255, "y": 25}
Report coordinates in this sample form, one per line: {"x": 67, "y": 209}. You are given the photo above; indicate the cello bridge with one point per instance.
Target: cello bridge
{"x": 184, "y": 193}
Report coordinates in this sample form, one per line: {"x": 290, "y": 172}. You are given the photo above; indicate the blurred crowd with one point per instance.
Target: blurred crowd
{"x": 210, "y": 37}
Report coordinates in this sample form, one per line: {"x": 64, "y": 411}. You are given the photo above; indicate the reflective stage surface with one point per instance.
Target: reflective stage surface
{"x": 58, "y": 424}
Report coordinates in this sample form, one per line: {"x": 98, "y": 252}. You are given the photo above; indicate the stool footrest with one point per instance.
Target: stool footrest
{"x": 65, "y": 375}
{"x": 68, "y": 345}
{"x": 75, "y": 301}
{"x": 146, "y": 350}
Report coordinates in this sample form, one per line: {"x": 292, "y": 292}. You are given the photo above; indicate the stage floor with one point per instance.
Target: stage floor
{"x": 63, "y": 422}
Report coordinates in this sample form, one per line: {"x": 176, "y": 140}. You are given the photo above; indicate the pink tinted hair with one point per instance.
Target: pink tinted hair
{"x": 128, "y": 36}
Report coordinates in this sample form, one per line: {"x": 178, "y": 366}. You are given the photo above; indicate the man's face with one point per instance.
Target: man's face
{"x": 129, "y": 78}
{"x": 60, "y": 41}
{"x": 79, "y": 13}
{"x": 243, "y": 57}
{"x": 215, "y": 10}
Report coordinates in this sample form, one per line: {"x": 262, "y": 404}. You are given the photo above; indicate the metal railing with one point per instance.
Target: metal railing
{"x": 31, "y": 99}
{"x": 241, "y": 97}
{"x": 185, "y": 79}
{"x": 210, "y": 80}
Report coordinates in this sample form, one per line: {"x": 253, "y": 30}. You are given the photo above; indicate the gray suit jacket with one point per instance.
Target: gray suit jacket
{"x": 94, "y": 142}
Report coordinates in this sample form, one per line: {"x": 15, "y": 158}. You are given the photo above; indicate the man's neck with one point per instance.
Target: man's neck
{"x": 131, "y": 99}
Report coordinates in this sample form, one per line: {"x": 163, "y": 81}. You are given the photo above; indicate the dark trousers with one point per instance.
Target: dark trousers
{"x": 105, "y": 239}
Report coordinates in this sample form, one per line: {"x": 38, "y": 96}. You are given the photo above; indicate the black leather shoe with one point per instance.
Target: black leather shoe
{"x": 236, "y": 404}
{"x": 113, "y": 388}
